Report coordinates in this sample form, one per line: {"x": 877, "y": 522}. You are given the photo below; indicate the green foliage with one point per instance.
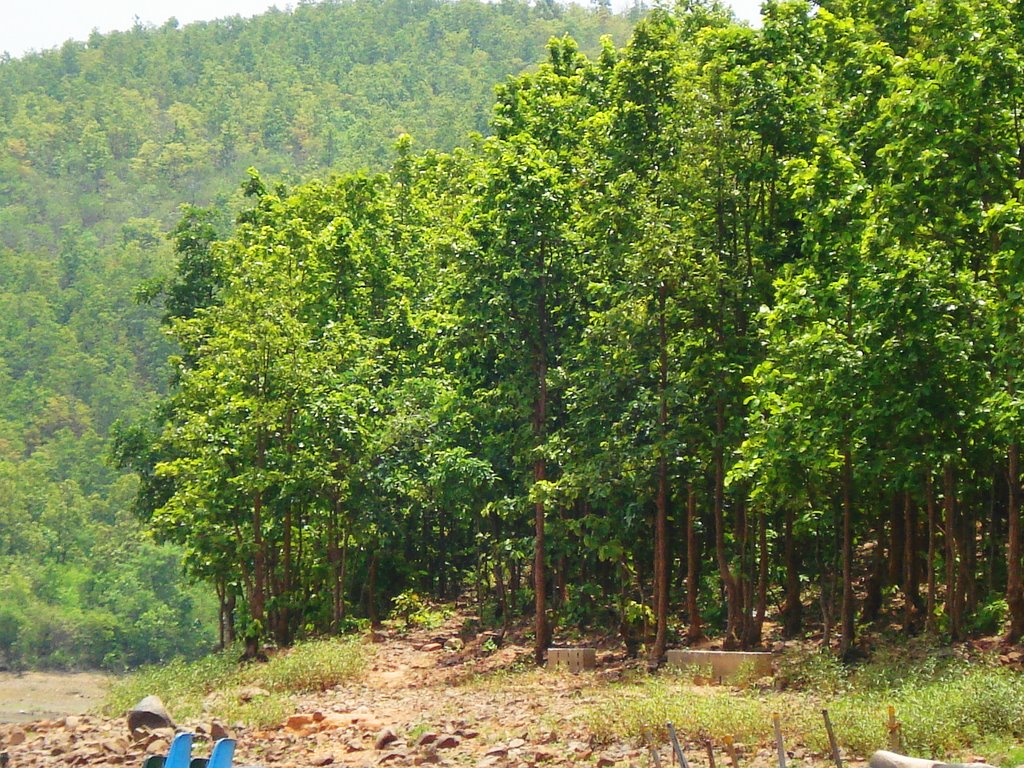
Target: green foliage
{"x": 945, "y": 714}
{"x": 215, "y": 683}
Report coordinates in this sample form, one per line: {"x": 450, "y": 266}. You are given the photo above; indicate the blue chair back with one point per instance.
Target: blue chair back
{"x": 222, "y": 754}
{"x": 180, "y": 752}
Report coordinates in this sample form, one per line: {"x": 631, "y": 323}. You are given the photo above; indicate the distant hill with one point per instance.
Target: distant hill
{"x": 100, "y": 143}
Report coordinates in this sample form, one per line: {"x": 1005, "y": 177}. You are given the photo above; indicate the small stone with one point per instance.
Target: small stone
{"x": 517, "y": 744}
{"x": 427, "y": 738}
{"x": 448, "y": 741}
{"x": 251, "y": 692}
{"x": 391, "y": 757}
{"x": 218, "y": 731}
{"x": 498, "y": 751}
{"x": 604, "y": 761}
{"x": 385, "y": 737}
{"x": 541, "y": 755}
{"x": 454, "y": 644}
{"x": 298, "y": 722}
{"x": 321, "y": 758}
{"x": 158, "y": 747}
{"x": 16, "y": 737}
{"x": 431, "y": 647}
{"x": 578, "y": 746}
{"x": 489, "y": 762}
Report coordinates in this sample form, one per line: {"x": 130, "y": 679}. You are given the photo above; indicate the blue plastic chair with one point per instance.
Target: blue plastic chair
{"x": 221, "y": 756}
{"x": 178, "y": 756}
{"x": 180, "y": 753}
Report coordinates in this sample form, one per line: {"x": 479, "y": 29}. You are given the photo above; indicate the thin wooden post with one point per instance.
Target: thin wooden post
{"x": 731, "y": 749}
{"x": 894, "y": 730}
{"x": 711, "y": 752}
{"x": 780, "y": 748}
{"x": 832, "y": 740}
{"x": 655, "y": 756}
{"x": 678, "y": 750}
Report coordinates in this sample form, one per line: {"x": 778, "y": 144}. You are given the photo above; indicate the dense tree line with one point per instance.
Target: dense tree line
{"x": 720, "y": 324}
{"x": 100, "y": 142}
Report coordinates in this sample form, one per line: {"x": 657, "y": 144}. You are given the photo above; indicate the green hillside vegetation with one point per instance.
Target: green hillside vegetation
{"x": 720, "y": 326}
{"x": 100, "y": 143}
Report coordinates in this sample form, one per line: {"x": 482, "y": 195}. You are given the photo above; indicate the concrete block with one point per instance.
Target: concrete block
{"x": 721, "y": 665}
{"x": 574, "y": 660}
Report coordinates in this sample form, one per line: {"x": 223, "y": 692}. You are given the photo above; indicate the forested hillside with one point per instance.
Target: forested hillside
{"x": 100, "y": 144}
{"x": 722, "y": 326}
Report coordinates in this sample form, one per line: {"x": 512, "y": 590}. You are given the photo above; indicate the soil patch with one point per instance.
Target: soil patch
{"x": 33, "y": 696}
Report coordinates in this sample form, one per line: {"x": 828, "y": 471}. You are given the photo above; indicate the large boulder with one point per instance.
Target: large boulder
{"x": 149, "y": 713}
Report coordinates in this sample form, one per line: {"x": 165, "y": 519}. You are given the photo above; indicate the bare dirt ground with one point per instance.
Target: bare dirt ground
{"x": 425, "y": 699}
{"x": 41, "y": 695}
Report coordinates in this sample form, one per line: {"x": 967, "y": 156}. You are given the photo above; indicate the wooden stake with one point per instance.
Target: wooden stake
{"x": 678, "y": 750}
{"x": 655, "y": 757}
{"x": 731, "y": 749}
{"x": 894, "y": 730}
{"x": 780, "y": 748}
{"x": 711, "y": 753}
{"x": 832, "y": 740}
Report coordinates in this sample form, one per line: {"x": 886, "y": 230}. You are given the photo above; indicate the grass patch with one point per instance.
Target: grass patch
{"x": 946, "y": 710}
{"x": 213, "y": 685}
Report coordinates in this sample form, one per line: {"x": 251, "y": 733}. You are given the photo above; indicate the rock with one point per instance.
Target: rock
{"x": 542, "y": 754}
{"x": 517, "y": 744}
{"x": 158, "y": 747}
{"x": 16, "y": 737}
{"x": 489, "y": 762}
{"x": 251, "y": 692}
{"x": 454, "y": 644}
{"x": 149, "y": 713}
{"x": 391, "y": 757}
{"x": 321, "y": 758}
{"x": 498, "y": 751}
{"x": 448, "y": 741}
{"x": 427, "y": 738}
{"x": 604, "y": 761}
{"x": 298, "y": 722}
{"x": 385, "y": 737}
{"x": 218, "y": 731}
{"x": 431, "y": 647}
{"x": 578, "y": 746}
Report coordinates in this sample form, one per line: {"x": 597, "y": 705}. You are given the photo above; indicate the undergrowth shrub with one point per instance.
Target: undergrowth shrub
{"x": 946, "y": 707}
{"x": 212, "y": 684}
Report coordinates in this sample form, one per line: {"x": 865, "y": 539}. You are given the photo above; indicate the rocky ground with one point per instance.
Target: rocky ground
{"x": 425, "y": 699}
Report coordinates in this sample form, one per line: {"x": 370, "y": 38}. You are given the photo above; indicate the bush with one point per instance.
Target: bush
{"x": 185, "y": 687}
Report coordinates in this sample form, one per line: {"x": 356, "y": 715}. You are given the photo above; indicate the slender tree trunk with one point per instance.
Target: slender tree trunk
{"x": 695, "y": 630}
{"x": 541, "y": 628}
{"x": 792, "y": 609}
{"x": 846, "y": 636}
{"x": 929, "y": 495}
{"x": 371, "y": 592}
{"x": 911, "y": 598}
{"x": 1014, "y": 581}
{"x": 733, "y": 603}
{"x": 896, "y": 538}
{"x": 954, "y": 600}
{"x": 661, "y": 564}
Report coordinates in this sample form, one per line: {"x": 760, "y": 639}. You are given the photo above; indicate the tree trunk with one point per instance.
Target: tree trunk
{"x": 661, "y": 564}
{"x": 1014, "y": 581}
{"x": 911, "y": 597}
{"x": 734, "y": 605}
{"x": 541, "y": 628}
{"x": 929, "y": 609}
{"x": 792, "y": 609}
{"x": 846, "y": 636}
{"x": 695, "y": 630}
{"x": 371, "y": 593}
{"x": 954, "y": 600}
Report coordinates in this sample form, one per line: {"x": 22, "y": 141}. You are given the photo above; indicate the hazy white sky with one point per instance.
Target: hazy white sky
{"x": 27, "y": 25}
